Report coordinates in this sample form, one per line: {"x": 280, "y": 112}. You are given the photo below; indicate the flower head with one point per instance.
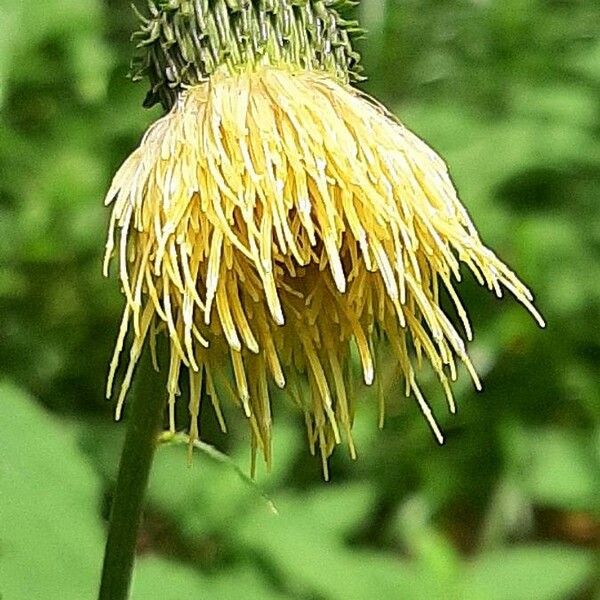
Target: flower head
{"x": 276, "y": 222}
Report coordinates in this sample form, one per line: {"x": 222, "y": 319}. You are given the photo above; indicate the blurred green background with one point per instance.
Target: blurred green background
{"x": 508, "y": 91}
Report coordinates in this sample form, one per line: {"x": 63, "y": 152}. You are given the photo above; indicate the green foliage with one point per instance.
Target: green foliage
{"x": 507, "y": 92}
{"x": 527, "y": 573}
{"x": 51, "y": 536}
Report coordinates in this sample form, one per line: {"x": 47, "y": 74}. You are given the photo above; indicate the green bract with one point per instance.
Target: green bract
{"x": 184, "y": 41}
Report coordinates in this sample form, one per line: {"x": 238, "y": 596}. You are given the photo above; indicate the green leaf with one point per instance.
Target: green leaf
{"x": 555, "y": 467}
{"x": 183, "y": 439}
{"x": 527, "y": 573}
{"x": 159, "y": 579}
{"x": 431, "y": 549}
{"x": 306, "y": 544}
{"x": 51, "y": 538}
{"x": 207, "y": 495}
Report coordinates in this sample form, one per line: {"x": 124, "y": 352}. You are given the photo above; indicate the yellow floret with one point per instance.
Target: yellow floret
{"x": 276, "y": 219}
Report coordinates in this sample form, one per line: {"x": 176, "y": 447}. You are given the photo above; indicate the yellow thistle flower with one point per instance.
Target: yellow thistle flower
{"x": 278, "y": 219}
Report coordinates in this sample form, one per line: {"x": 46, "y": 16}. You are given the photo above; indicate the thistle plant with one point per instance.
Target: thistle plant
{"x": 277, "y": 222}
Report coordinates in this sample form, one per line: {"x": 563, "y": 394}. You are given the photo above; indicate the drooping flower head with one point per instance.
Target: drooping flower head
{"x": 277, "y": 222}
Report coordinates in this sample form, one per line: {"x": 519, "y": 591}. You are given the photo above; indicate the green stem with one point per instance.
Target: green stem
{"x": 144, "y": 424}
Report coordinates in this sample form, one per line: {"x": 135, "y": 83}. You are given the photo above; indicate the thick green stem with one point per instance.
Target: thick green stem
{"x": 144, "y": 423}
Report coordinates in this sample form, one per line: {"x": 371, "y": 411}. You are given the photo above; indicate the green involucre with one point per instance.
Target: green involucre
{"x": 183, "y": 42}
